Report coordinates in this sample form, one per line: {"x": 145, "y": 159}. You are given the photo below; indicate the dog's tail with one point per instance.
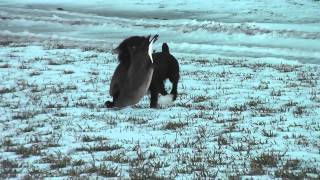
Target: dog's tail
{"x": 165, "y": 48}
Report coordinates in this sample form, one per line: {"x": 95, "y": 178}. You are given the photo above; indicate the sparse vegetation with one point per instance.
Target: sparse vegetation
{"x": 276, "y": 92}
{"x": 4, "y": 65}
{"x": 8, "y": 168}
{"x": 259, "y": 163}
{"x": 232, "y": 120}
{"x": 100, "y": 147}
{"x": 92, "y": 139}
{"x": 4, "y": 90}
{"x": 68, "y": 71}
{"x": 25, "y": 152}
{"x": 174, "y": 125}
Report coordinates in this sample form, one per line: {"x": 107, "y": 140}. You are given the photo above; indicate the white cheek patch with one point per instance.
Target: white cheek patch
{"x": 150, "y": 51}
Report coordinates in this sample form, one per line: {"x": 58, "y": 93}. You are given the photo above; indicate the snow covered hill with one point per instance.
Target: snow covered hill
{"x": 249, "y": 91}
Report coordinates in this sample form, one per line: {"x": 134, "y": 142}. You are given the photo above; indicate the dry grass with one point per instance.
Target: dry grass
{"x": 231, "y": 120}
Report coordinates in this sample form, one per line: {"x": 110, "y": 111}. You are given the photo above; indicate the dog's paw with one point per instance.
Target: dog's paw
{"x": 154, "y": 106}
{"x": 166, "y": 100}
{"x": 109, "y": 104}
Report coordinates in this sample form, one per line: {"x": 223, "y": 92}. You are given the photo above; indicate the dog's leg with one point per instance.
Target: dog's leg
{"x": 163, "y": 91}
{"x": 154, "y": 97}
{"x": 174, "y": 91}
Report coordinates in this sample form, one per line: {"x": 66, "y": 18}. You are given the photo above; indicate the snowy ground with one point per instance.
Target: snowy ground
{"x": 249, "y": 91}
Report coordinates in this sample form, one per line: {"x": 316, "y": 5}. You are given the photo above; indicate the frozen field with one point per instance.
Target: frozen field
{"x": 248, "y": 104}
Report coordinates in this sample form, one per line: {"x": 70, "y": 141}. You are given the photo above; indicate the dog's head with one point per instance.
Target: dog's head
{"x": 133, "y": 46}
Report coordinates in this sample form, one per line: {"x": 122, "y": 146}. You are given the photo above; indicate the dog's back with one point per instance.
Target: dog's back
{"x": 166, "y": 64}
